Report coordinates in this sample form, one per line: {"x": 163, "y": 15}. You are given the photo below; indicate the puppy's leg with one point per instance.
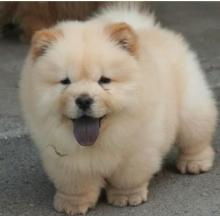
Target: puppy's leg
{"x": 77, "y": 195}
{"x": 80, "y": 197}
{"x": 197, "y": 124}
{"x": 129, "y": 184}
{"x": 76, "y": 192}
{"x": 196, "y": 154}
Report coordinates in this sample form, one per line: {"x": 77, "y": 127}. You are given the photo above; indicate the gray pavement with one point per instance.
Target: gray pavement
{"x": 25, "y": 189}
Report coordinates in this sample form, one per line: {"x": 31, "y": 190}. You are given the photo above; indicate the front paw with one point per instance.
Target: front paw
{"x": 122, "y": 198}
{"x": 73, "y": 205}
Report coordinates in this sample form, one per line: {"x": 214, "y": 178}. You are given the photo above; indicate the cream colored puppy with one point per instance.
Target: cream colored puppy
{"x": 106, "y": 99}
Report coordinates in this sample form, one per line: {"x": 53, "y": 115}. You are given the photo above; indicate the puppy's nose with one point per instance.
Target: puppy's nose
{"x": 84, "y": 102}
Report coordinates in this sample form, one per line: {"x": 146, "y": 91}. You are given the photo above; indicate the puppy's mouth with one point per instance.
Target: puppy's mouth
{"x": 86, "y": 129}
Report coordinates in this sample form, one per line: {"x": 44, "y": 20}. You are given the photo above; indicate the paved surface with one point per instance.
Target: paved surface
{"x": 26, "y": 191}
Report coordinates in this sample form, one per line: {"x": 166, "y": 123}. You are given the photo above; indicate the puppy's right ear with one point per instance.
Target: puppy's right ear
{"x": 42, "y": 40}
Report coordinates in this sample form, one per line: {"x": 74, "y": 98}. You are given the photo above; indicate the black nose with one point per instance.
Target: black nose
{"x": 84, "y": 102}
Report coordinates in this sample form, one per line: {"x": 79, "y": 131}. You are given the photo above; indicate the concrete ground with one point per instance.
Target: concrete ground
{"x": 25, "y": 189}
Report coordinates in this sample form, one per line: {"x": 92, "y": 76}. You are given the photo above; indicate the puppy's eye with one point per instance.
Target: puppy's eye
{"x": 104, "y": 80}
{"x": 65, "y": 81}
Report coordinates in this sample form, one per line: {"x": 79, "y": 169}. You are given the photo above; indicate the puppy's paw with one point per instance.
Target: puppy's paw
{"x": 122, "y": 198}
{"x": 196, "y": 163}
{"x": 73, "y": 205}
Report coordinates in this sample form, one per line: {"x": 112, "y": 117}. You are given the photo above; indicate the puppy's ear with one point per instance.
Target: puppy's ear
{"x": 42, "y": 40}
{"x": 124, "y": 36}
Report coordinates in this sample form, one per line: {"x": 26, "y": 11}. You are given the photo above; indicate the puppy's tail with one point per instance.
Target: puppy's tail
{"x": 136, "y": 14}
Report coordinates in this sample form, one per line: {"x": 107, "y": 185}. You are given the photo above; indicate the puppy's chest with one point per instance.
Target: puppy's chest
{"x": 94, "y": 162}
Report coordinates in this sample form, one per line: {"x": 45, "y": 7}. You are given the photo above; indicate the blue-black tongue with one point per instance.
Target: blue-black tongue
{"x": 86, "y": 130}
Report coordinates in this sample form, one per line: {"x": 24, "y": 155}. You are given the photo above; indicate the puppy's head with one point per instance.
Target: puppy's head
{"x": 86, "y": 74}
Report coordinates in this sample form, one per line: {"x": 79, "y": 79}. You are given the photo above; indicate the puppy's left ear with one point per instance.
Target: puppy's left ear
{"x": 124, "y": 36}
{"x": 42, "y": 41}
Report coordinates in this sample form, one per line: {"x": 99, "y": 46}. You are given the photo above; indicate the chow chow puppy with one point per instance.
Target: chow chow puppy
{"x": 106, "y": 99}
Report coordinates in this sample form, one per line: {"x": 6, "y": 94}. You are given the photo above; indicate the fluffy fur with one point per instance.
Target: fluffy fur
{"x": 158, "y": 96}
